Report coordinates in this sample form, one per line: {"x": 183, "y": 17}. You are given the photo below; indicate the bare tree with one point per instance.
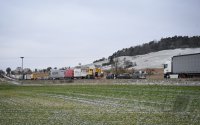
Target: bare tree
{"x": 48, "y": 69}
{"x": 8, "y": 70}
{"x": 2, "y": 73}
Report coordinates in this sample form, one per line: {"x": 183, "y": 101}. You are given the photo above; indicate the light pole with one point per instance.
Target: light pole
{"x": 22, "y": 62}
{"x": 22, "y": 68}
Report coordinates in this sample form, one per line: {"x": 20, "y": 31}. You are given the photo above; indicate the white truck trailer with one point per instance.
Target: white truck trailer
{"x": 57, "y": 74}
{"x": 183, "y": 66}
{"x": 80, "y": 73}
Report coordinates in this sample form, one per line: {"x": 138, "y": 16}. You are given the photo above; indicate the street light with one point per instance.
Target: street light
{"x": 22, "y": 68}
{"x": 22, "y": 62}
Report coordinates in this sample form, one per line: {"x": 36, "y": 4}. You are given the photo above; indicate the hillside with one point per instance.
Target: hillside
{"x": 153, "y": 59}
{"x": 175, "y": 42}
{"x": 152, "y": 54}
{"x": 156, "y": 59}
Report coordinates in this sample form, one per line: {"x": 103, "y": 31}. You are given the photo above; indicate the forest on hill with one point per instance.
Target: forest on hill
{"x": 174, "y": 42}
{"x": 163, "y": 44}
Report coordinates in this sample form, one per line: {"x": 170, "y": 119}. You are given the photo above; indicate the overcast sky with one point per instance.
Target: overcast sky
{"x": 62, "y": 33}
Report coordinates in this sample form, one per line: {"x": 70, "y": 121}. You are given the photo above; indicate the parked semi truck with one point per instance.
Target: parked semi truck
{"x": 69, "y": 74}
{"x": 80, "y": 73}
{"x": 57, "y": 74}
{"x": 183, "y": 66}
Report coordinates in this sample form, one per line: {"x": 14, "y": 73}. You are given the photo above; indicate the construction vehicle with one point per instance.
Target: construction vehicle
{"x": 39, "y": 75}
{"x": 90, "y": 73}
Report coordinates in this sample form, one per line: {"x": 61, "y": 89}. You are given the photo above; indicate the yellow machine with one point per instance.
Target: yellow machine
{"x": 98, "y": 72}
{"x": 94, "y": 73}
{"x": 39, "y": 75}
{"x": 90, "y": 73}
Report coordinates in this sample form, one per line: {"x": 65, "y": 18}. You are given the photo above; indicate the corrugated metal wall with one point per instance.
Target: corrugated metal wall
{"x": 186, "y": 64}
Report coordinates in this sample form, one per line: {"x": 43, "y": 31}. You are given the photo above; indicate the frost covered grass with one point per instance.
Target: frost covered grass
{"x": 99, "y": 104}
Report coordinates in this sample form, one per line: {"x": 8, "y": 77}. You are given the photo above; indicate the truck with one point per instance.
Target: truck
{"x": 69, "y": 74}
{"x": 98, "y": 73}
{"x": 183, "y": 66}
{"x": 93, "y": 73}
{"x": 57, "y": 74}
{"x": 39, "y": 75}
{"x": 90, "y": 73}
{"x": 80, "y": 73}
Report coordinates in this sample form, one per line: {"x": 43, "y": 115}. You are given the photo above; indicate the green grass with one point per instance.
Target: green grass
{"x": 99, "y": 104}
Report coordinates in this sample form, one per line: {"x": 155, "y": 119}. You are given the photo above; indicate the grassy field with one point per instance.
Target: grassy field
{"x": 99, "y": 104}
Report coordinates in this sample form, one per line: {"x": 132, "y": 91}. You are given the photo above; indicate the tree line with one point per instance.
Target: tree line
{"x": 163, "y": 44}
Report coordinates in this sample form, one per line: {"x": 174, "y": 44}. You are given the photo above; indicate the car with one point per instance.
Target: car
{"x": 110, "y": 76}
{"x": 124, "y": 76}
{"x": 139, "y": 75}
